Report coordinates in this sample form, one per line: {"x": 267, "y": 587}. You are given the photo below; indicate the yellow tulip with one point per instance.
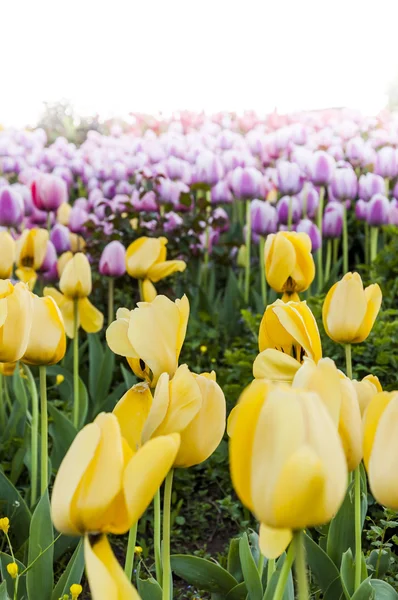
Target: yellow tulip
{"x": 150, "y": 336}
{"x": 16, "y": 311}
{"x": 47, "y": 340}
{"x": 381, "y": 447}
{"x": 146, "y": 260}
{"x": 7, "y": 369}
{"x": 30, "y": 252}
{"x": 189, "y": 404}
{"x": 288, "y": 333}
{"x": 62, "y": 261}
{"x": 368, "y": 387}
{"x": 7, "y": 257}
{"x": 75, "y": 280}
{"x": 338, "y": 394}
{"x": 63, "y": 213}
{"x": 349, "y": 310}
{"x": 103, "y": 485}
{"x": 273, "y": 542}
{"x": 289, "y": 266}
{"x": 105, "y": 576}
{"x": 77, "y": 243}
{"x": 287, "y": 461}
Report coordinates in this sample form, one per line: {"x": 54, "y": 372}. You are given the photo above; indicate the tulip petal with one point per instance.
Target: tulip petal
{"x": 148, "y": 291}
{"x": 132, "y": 411}
{"x": 14, "y": 334}
{"x": 141, "y": 255}
{"x": 344, "y": 309}
{"x": 3, "y": 311}
{"x": 350, "y": 425}
{"x": 27, "y": 275}
{"x": 275, "y": 366}
{"x": 117, "y": 335}
{"x": 299, "y": 322}
{"x": 280, "y": 258}
{"x": 76, "y": 280}
{"x": 106, "y": 577}
{"x": 91, "y": 319}
{"x": 373, "y": 297}
{"x": 273, "y": 542}
{"x": 146, "y": 471}
{"x": 373, "y": 414}
{"x": 47, "y": 340}
{"x": 161, "y": 270}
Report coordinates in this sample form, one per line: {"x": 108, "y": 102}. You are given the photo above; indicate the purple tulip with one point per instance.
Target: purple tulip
{"x": 26, "y": 197}
{"x": 247, "y": 183}
{"x": 309, "y": 198}
{"x": 172, "y": 221}
{"x": 355, "y": 150}
{"x": 332, "y": 223}
{"x": 147, "y": 203}
{"x": 378, "y": 210}
{"x": 321, "y": 167}
{"x": 286, "y": 204}
{"x": 113, "y": 260}
{"x": 49, "y": 192}
{"x": 369, "y": 185}
{"x": 344, "y": 184}
{"x": 60, "y": 237}
{"x": 50, "y": 258}
{"x": 209, "y": 169}
{"x": 109, "y": 189}
{"x": 178, "y": 169}
{"x": 393, "y": 213}
{"x": 11, "y": 207}
{"x": 395, "y": 191}
{"x": 264, "y": 217}
{"x": 308, "y": 227}
{"x": 124, "y": 187}
{"x": 170, "y": 191}
{"x": 387, "y": 162}
{"x": 361, "y": 210}
{"x": 289, "y": 178}
{"x": 336, "y": 151}
{"x": 64, "y": 173}
{"x": 221, "y": 193}
{"x": 220, "y": 219}
{"x": 77, "y": 219}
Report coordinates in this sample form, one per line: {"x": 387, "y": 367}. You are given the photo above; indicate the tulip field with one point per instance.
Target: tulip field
{"x": 198, "y": 368}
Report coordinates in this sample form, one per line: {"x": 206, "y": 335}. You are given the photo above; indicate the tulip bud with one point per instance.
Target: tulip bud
{"x": 361, "y": 210}
{"x": 288, "y": 204}
{"x": 241, "y": 259}
{"x": 113, "y": 260}
{"x": 289, "y": 265}
{"x": 47, "y": 339}
{"x": 349, "y": 310}
{"x": 60, "y": 237}
{"x": 63, "y": 213}
{"x": 321, "y": 168}
{"x": 146, "y": 259}
{"x": 75, "y": 280}
{"x": 209, "y": 168}
{"x": 247, "y": 183}
{"x": 49, "y": 192}
{"x": 289, "y": 178}
{"x": 7, "y": 256}
{"x": 332, "y": 223}
{"x": 264, "y": 218}
{"x": 16, "y": 322}
{"x": 387, "y": 162}
{"x": 344, "y": 184}
{"x": 221, "y": 193}
{"x": 309, "y": 200}
{"x": 308, "y": 227}
{"x": 78, "y": 217}
{"x": 355, "y": 150}
{"x": 378, "y": 210}
{"x": 11, "y": 207}
{"x": 369, "y": 185}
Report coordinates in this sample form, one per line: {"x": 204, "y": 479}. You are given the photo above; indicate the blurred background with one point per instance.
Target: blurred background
{"x": 92, "y": 61}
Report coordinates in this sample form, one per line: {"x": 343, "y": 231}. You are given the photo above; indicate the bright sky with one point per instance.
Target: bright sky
{"x": 118, "y": 56}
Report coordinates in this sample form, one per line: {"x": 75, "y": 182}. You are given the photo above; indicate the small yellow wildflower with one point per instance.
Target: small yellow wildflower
{"x": 203, "y": 349}
{"x": 75, "y": 589}
{"x": 4, "y": 524}
{"x": 138, "y": 550}
{"x": 12, "y": 569}
{"x": 59, "y": 379}
{"x": 134, "y": 223}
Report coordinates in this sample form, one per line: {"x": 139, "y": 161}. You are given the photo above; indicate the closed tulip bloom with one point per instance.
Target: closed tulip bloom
{"x": 289, "y": 178}
{"x": 387, "y": 162}
{"x": 349, "y": 310}
{"x": 344, "y": 184}
{"x": 209, "y": 168}
{"x": 332, "y": 222}
{"x": 49, "y": 192}
{"x": 63, "y": 213}
{"x": 11, "y": 207}
{"x": 63, "y": 259}
{"x": 289, "y": 265}
{"x": 60, "y": 237}
{"x": 321, "y": 168}
{"x": 369, "y": 185}
{"x": 246, "y": 183}
{"x": 287, "y": 462}
{"x": 78, "y": 217}
{"x": 288, "y": 333}
{"x": 378, "y": 211}
{"x": 7, "y": 257}
{"x": 309, "y": 199}
{"x": 75, "y": 280}
{"x": 113, "y": 260}
{"x": 150, "y": 336}
{"x": 355, "y": 150}
{"x": 264, "y": 218}
{"x": 380, "y": 452}
{"x": 366, "y": 389}
{"x": 30, "y": 252}
{"x": 47, "y": 339}
{"x": 16, "y": 311}
{"x": 308, "y": 227}
{"x": 361, "y": 210}
{"x": 286, "y": 204}
{"x": 221, "y": 193}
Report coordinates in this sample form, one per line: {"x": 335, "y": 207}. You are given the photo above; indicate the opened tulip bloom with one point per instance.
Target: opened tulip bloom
{"x": 150, "y": 336}
{"x": 16, "y": 312}
{"x": 31, "y": 249}
{"x": 349, "y": 310}
{"x": 189, "y": 404}
{"x": 146, "y": 261}
{"x": 289, "y": 266}
{"x": 287, "y": 462}
{"x": 75, "y": 285}
{"x": 288, "y": 333}
{"x": 47, "y": 340}
{"x": 7, "y": 257}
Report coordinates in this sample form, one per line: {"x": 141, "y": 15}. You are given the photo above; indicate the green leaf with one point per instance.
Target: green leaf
{"x": 202, "y": 573}
{"x": 383, "y": 590}
{"x": 271, "y": 587}
{"x": 149, "y": 589}
{"x": 365, "y": 591}
{"x": 13, "y": 506}
{"x": 249, "y": 569}
{"x": 83, "y": 403}
{"x": 323, "y": 568}
{"x": 95, "y": 357}
{"x": 347, "y": 572}
{"x": 6, "y": 559}
{"x": 40, "y": 577}
{"x": 72, "y": 574}
{"x": 380, "y": 561}
{"x": 239, "y": 592}
{"x": 334, "y": 591}
{"x": 3, "y": 591}
{"x": 233, "y": 566}
{"x": 62, "y": 432}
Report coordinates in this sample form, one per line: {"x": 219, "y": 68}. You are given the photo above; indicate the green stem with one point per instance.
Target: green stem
{"x": 328, "y": 259}
{"x": 345, "y": 240}
{"x": 348, "y": 360}
{"x": 141, "y": 289}
{"x": 336, "y": 244}
{"x": 300, "y": 567}
{"x": 34, "y": 434}
{"x": 260, "y": 566}
{"x": 248, "y": 243}
{"x": 305, "y": 196}
{"x": 290, "y": 214}
{"x": 270, "y": 569}
{"x": 167, "y": 580}
{"x": 319, "y": 224}
{"x": 76, "y": 407}
{"x": 367, "y": 244}
{"x": 261, "y": 247}
{"x": 374, "y": 237}
{"x": 2, "y": 406}
{"x": 358, "y": 527}
{"x": 129, "y": 564}
{"x": 157, "y": 537}
{"x": 111, "y": 293}
{"x": 284, "y": 574}
{"x": 49, "y": 223}
{"x": 44, "y": 431}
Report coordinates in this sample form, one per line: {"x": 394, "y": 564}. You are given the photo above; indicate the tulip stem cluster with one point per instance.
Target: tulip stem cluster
{"x": 34, "y": 433}
{"x": 283, "y": 577}
{"x": 76, "y": 365}
{"x": 44, "y": 430}
{"x": 167, "y": 581}
{"x": 129, "y": 564}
